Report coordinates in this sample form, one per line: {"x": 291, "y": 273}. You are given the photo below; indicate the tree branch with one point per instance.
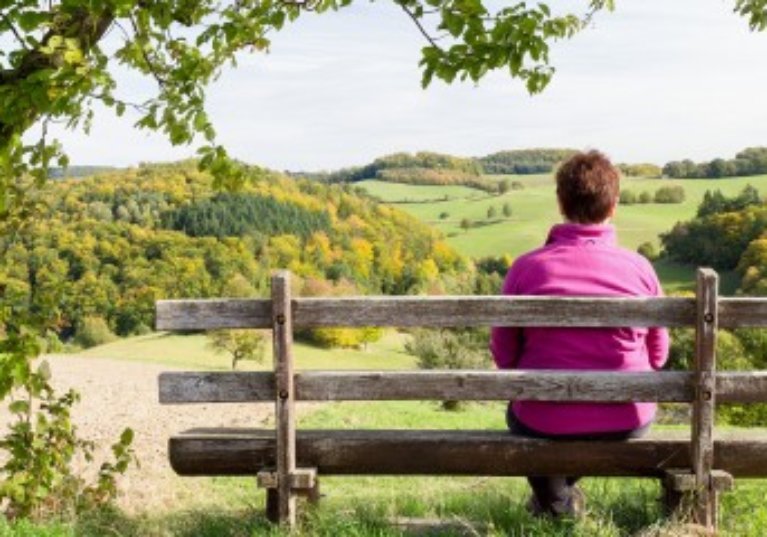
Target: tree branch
{"x": 15, "y": 31}
{"x": 149, "y": 62}
{"x": 418, "y": 24}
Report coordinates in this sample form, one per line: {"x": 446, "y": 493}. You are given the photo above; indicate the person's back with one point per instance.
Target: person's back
{"x": 580, "y": 258}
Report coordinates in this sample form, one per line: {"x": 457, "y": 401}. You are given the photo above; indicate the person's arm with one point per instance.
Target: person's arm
{"x": 657, "y": 337}
{"x": 505, "y": 346}
{"x": 657, "y": 346}
{"x": 506, "y": 341}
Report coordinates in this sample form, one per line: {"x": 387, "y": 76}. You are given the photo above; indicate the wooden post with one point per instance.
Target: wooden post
{"x": 705, "y": 497}
{"x": 285, "y": 401}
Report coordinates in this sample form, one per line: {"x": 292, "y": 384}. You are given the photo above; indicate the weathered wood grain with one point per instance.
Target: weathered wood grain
{"x": 703, "y": 409}
{"x": 216, "y": 387}
{"x": 490, "y": 453}
{"x": 741, "y": 386}
{"x": 669, "y": 386}
{"x": 742, "y": 312}
{"x": 423, "y": 311}
{"x": 493, "y": 311}
{"x": 456, "y": 311}
{"x": 285, "y": 413}
{"x": 213, "y": 314}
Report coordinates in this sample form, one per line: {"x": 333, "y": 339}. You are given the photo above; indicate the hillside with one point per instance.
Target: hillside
{"x": 534, "y": 210}
{"x": 110, "y": 245}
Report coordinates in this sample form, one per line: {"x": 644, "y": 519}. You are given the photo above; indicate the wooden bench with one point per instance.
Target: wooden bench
{"x": 694, "y": 468}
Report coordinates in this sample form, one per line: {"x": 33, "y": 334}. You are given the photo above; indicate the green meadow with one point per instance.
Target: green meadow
{"x": 193, "y": 352}
{"x": 534, "y": 211}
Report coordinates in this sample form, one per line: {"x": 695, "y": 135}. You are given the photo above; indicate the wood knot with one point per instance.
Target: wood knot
{"x": 280, "y": 318}
{"x": 709, "y": 317}
{"x": 283, "y": 394}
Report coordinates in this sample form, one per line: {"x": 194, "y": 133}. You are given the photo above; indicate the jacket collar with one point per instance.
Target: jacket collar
{"x": 582, "y": 233}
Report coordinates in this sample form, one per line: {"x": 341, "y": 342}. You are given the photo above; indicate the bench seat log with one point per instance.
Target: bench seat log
{"x": 437, "y": 452}
{"x": 666, "y": 386}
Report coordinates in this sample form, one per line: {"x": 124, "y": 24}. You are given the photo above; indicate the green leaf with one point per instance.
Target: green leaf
{"x": 19, "y": 407}
{"x": 127, "y": 436}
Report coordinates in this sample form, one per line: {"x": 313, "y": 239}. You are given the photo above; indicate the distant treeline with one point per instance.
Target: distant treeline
{"x": 644, "y": 169}
{"x": 751, "y": 161}
{"x": 524, "y": 161}
{"x": 429, "y": 168}
{"x": 77, "y": 171}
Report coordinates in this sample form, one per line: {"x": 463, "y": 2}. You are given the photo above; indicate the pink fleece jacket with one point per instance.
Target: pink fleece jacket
{"x": 581, "y": 260}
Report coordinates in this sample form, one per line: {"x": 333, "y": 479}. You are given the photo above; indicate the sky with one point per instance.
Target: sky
{"x": 651, "y": 82}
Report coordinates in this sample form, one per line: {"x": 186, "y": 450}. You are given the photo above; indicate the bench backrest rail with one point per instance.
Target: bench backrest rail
{"x": 702, "y": 387}
{"x": 460, "y": 385}
{"x": 457, "y": 311}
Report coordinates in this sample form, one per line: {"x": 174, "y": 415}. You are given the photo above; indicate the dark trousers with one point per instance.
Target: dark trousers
{"x": 554, "y": 494}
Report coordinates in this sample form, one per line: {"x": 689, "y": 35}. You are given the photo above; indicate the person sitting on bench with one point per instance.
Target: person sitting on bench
{"x": 580, "y": 258}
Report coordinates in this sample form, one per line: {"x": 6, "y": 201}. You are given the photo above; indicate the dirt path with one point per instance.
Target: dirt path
{"x": 119, "y": 394}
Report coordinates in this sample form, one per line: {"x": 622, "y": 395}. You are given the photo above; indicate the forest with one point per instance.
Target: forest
{"x": 721, "y": 235}
{"x": 109, "y": 246}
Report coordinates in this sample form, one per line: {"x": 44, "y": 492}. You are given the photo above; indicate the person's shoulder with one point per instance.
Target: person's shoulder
{"x": 641, "y": 265}
{"x": 635, "y": 258}
{"x": 527, "y": 259}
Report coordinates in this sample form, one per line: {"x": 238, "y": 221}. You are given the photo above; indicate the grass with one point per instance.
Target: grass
{"x": 192, "y": 351}
{"x": 366, "y": 506}
{"x": 534, "y": 211}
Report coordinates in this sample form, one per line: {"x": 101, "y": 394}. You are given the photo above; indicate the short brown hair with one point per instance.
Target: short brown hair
{"x": 587, "y": 187}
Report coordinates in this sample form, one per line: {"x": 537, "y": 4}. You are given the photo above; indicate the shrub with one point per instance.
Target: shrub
{"x": 645, "y": 197}
{"x": 669, "y": 194}
{"x": 628, "y": 197}
{"x": 739, "y": 350}
{"x": 449, "y": 349}
{"x": 93, "y": 331}
{"x": 444, "y": 215}
{"x": 38, "y": 477}
{"x": 345, "y": 338}
{"x": 648, "y": 250}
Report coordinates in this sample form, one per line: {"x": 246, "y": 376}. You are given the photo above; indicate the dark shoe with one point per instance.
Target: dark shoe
{"x": 534, "y": 508}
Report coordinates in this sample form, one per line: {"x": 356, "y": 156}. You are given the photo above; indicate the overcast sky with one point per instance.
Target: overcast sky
{"x": 653, "y": 81}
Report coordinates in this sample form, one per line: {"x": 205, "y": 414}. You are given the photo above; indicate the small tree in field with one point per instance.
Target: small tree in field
{"x": 449, "y": 349}
{"x": 491, "y": 212}
{"x": 507, "y": 210}
{"x": 240, "y": 344}
{"x": 465, "y": 224}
